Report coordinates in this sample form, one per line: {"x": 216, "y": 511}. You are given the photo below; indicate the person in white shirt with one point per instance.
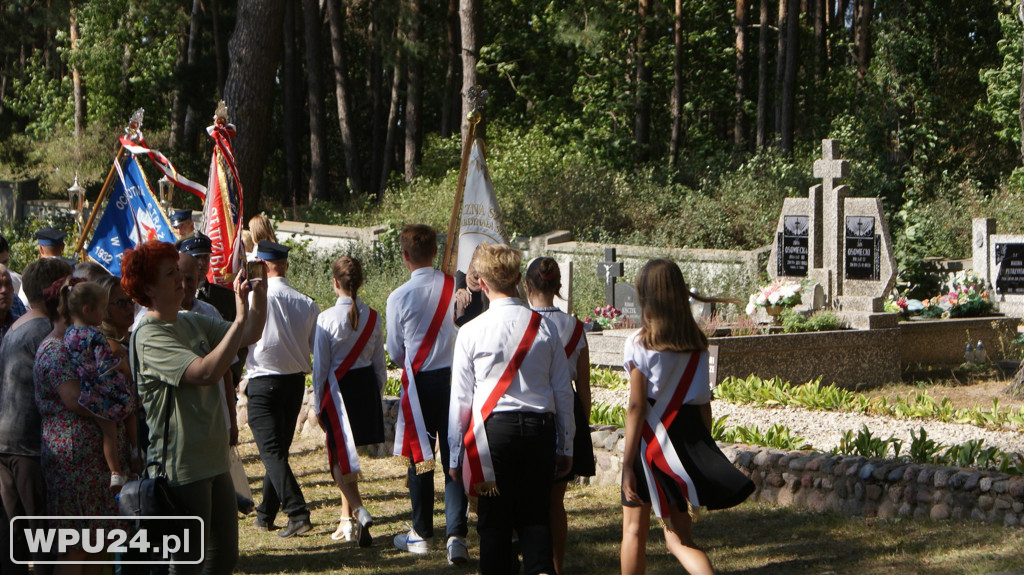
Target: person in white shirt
{"x": 276, "y": 368}
{"x": 543, "y": 282}
{"x": 670, "y": 462}
{"x": 349, "y": 374}
{"x": 511, "y": 426}
{"x": 190, "y": 277}
{"x": 420, "y": 335}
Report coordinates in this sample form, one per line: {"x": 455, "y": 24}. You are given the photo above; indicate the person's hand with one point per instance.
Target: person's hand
{"x": 242, "y": 289}
{"x": 563, "y": 465}
{"x": 462, "y": 300}
{"x": 456, "y": 474}
{"x": 629, "y": 485}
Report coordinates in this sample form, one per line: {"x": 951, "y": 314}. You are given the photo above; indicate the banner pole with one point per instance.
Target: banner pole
{"x": 452, "y": 240}
{"x": 99, "y": 202}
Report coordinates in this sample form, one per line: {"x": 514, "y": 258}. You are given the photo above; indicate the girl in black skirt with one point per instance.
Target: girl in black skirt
{"x": 543, "y": 282}
{"x": 670, "y": 462}
{"x": 348, "y": 377}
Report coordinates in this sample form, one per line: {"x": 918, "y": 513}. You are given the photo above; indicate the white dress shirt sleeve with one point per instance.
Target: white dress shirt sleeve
{"x": 396, "y": 335}
{"x": 321, "y": 363}
{"x": 460, "y": 407}
{"x": 561, "y": 386}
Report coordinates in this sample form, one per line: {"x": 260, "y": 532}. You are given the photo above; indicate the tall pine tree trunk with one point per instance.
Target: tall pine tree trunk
{"x": 789, "y": 82}
{"x": 450, "y": 101}
{"x": 218, "y": 44}
{"x": 392, "y": 128}
{"x": 254, "y": 52}
{"x": 739, "y": 129}
{"x": 642, "y": 122}
{"x": 376, "y": 76}
{"x": 341, "y": 94}
{"x": 820, "y": 34}
{"x": 1020, "y": 113}
{"x": 865, "y": 13}
{"x": 317, "y": 117}
{"x": 762, "y": 77}
{"x": 677, "y": 83}
{"x": 190, "y": 123}
{"x": 294, "y": 102}
{"x": 76, "y": 79}
{"x": 780, "y": 62}
{"x": 413, "y": 89}
{"x": 469, "y": 19}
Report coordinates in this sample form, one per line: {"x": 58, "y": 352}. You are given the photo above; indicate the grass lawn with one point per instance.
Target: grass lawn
{"x": 752, "y": 538}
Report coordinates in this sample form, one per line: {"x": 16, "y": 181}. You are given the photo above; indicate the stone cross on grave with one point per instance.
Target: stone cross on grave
{"x": 609, "y": 269}
{"x": 830, "y": 215}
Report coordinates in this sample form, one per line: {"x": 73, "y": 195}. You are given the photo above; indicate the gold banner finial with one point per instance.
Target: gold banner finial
{"x": 478, "y": 101}
{"x": 221, "y": 115}
{"x": 134, "y": 127}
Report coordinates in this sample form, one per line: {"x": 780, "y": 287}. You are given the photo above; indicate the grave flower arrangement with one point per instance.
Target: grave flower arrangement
{"x": 605, "y": 317}
{"x": 967, "y": 297}
{"x": 778, "y": 293}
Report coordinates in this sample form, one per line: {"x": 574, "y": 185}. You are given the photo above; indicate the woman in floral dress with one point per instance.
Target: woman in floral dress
{"x": 77, "y": 478}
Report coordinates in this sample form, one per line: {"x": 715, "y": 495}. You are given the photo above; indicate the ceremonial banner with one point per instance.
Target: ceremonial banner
{"x": 132, "y": 216}
{"x": 480, "y": 221}
{"x": 222, "y": 210}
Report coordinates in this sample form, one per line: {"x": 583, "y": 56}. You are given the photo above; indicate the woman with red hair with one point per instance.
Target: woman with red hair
{"x": 179, "y": 360}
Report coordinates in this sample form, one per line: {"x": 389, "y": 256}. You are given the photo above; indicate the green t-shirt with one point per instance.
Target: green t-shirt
{"x": 198, "y": 444}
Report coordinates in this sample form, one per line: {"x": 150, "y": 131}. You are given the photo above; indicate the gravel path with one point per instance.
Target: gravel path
{"x": 824, "y": 429}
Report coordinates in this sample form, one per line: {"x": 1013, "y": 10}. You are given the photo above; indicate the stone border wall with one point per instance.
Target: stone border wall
{"x": 853, "y": 485}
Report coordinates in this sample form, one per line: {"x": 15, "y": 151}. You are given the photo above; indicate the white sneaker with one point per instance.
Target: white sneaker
{"x": 412, "y": 542}
{"x": 457, "y": 552}
{"x": 344, "y": 531}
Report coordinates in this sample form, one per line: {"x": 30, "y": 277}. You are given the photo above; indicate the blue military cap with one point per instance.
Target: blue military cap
{"x": 179, "y": 216}
{"x": 270, "y": 251}
{"x": 197, "y": 245}
{"x": 50, "y": 237}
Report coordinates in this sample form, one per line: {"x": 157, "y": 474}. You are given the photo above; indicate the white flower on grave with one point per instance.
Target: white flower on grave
{"x": 774, "y": 297}
{"x": 752, "y": 304}
{"x": 788, "y": 290}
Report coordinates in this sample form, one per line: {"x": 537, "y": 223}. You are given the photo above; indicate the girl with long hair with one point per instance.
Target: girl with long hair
{"x": 670, "y": 462}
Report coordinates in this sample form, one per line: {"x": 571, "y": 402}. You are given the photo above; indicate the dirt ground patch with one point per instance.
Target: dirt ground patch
{"x": 964, "y": 388}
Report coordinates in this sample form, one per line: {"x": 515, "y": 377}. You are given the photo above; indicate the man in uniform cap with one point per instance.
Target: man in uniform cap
{"x": 276, "y": 369}
{"x": 220, "y": 297}
{"x": 181, "y": 221}
{"x": 51, "y": 243}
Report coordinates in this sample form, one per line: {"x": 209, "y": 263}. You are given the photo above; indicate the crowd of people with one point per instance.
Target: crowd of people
{"x": 103, "y": 377}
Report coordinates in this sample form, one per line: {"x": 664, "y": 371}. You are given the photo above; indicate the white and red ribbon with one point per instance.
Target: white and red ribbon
{"x": 332, "y": 405}
{"x": 222, "y": 210}
{"x": 477, "y": 470}
{"x": 656, "y": 447}
{"x": 411, "y": 437}
{"x": 140, "y": 147}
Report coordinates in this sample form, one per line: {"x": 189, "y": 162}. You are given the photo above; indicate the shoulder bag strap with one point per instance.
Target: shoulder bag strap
{"x": 170, "y": 400}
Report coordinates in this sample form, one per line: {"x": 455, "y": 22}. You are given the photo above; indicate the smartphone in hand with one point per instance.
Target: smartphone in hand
{"x": 255, "y": 271}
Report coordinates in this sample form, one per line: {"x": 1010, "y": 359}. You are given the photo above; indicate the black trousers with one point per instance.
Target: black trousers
{"x": 522, "y": 447}
{"x": 273, "y": 408}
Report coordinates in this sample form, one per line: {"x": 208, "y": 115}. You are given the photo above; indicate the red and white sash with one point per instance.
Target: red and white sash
{"x": 574, "y": 339}
{"x": 332, "y": 406}
{"x": 411, "y": 438}
{"x": 656, "y": 448}
{"x": 477, "y": 469}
